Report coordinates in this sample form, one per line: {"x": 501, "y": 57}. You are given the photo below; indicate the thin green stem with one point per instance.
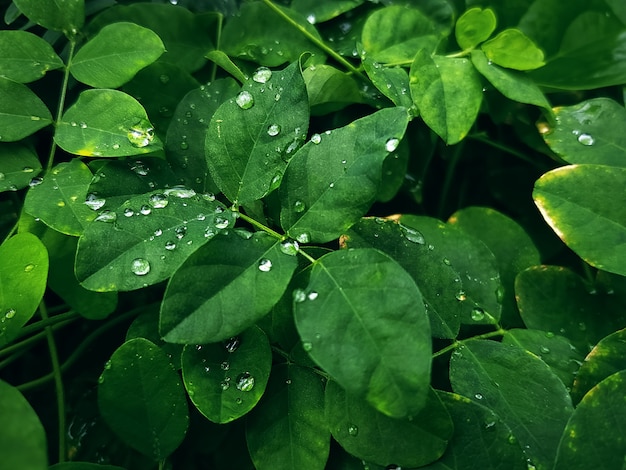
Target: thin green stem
{"x": 58, "y": 381}
{"x": 307, "y": 256}
{"x": 447, "y": 183}
{"x": 505, "y": 148}
{"x": 455, "y": 55}
{"x": 218, "y": 40}
{"x": 261, "y": 226}
{"x": 455, "y": 344}
{"x": 315, "y": 40}
{"x": 49, "y": 321}
{"x": 14, "y": 347}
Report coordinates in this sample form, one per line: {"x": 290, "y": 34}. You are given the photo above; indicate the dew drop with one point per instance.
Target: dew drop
{"x": 180, "y": 191}
{"x": 221, "y": 222}
{"x": 29, "y": 267}
{"x": 244, "y": 100}
{"x": 128, "y": 212}
{"x": 478, "y": 396}
{"x": 140, "y": 266}
{"x": 140, "y": 135}
{"x": 304, "y": 237}
{"x": 101, "y": 379}
{"x": 461, "y": 296}
{"x": 586, "y": 139}
{"x": 239, "y": 401}
{"x": 28, "y": 169}
{"x": 311, "y": 19}
{"x": 107, "y": 365}
{"x": 209, "y": 233}
{"x": 262, "y": 75}
{"x": 544, "y": 350}
{"x": 225, "y": 365}
{"x": 225, "y": 384}
{"x": 245, "y": 382}
{"x": 36, "y": 181}
{"x": 265, "y": 265}
{"x": 307, "y": 346}
{"x": 94, "y": 202}
{"x": 208, "y": 197}
{"x": 316, "y": 138}
{"x": 10, "y": 313}
{"x": 2, "y": 176}
{"x": 184, "y": 145}
{"x": 299, "y": 206}
{"x": 232, "y": 344}
{"x": 477, "y": 314}
{"x": 412, "y": 235}
{"x": 164, "y": 78}
{"x": 312, "y": 295}
{"x": 106, "y": 216}
{"x": 273, "y": 130}
{"x": 391, "y": 144}
{"x": 353, "y": 430}
{"x": 490, "y": 426}
{"x": 145, "y": 209}
{"x": 158, "y": 201}
{"x": 289, "y": 247}
{"x": 299, "y": 295}
{"x": 180, "y": 231}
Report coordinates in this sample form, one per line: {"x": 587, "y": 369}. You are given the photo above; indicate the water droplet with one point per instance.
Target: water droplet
{"x": 289, "y": 247}
{"x": 36, "y": 181}
{"x": 158, "y": 232}
{"x": 10, "y": 313}
{"x": 412, "y": 235}
{"x": 239, "y": 401}
{"x": 221, "y": 222}
{"x": 128, "y": 212}
{"x": 391, "y": 144}
{"x": 184, "y": 145}
{"x": 586, "y": 139}
{"x": 511, "y": 439}
{"x": 140, "y": 135}
{"x": 307, "y": 346}
{"x": 262, "y": 75}
{"x": 225, "y": 384}
{"x": 83, "y": 125}
{"x": 312, "y": 295}
{"x": 209, "y": 233}
{"x": 180, "y": 191}
{"x": 140, "y": 266}
{"x": 232, "y": 344}
{"x": 94, "y": 202}
{"x": 180, "y": 231}
{"x": 208, "y": 197}
{"x": 299, "y": 206}
{"x": 2, "y": 176}
{"x": 244, "y": 100}
{"x": 145, "y": 209}
{"x": 446, "y": 261}
{"x": 582, "y": 326}
{"x": 353, "y": 430}
{"x": 299, "y": 295}
{"x": 101, "y": 379}
{"x": 311, "y": 19}
{"x": 158, "y": 201}
{"x": 106, "y": 216}
{"x": 316, "y": 138}
{"x": 170, "y": 246}
{"x": 28, "y": 169}
{"x": 245, "y": 382}
{"x": 460, "y": 296}
{"x": 265, "y": 265}
{"x": 490, "y": 426}
{"x": 29, "y": 267}
{"x": 549, "y": 334}
{"x": 273, "y": 130}
{"x": 225, "y": 365}
{"x": 477, "y": 314}
{"x": 544, "y": 350}
{"x": 478, "y": 396}
{"x": 500, "y": 294}
{"x": 107, "y": 365}
{"x": 304, "y": 237}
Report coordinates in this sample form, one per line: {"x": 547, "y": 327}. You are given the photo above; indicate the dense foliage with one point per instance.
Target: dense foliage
{"x": 311, "y": 234}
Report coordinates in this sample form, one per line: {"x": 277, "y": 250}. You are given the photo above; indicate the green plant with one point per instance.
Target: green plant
{"x": 301, "y": 234}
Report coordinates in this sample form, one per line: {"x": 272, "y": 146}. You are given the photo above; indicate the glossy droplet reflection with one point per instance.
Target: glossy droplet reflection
{"x": 158, "y": 201}
{"x": 231, "y": 345}
{"x": 586, "y": 139}
{"x": 353, "y": 430}
{"x": 244, "y": 100}
{"x": 94, "y": 202}
{"x": 245, "y": 382}
{"x": 289, "y": 247}
{"x": 140, "y": 135}
{"x": 392, "y": 144}
{"x": 262, "y": 75}
{"x": 316, "y": 138}
{"x": 265, "y": 265}
{"x": 140, "y": 266}
{"x": 477, "y": 314}
{"x": 273, "y": 130}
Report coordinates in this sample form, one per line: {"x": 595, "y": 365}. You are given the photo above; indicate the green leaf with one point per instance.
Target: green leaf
{"x": 59, "y": 201}
{"x": 141, "y": 398}
{"x": 187, "y": 131}
{"x": 520, "y": 388}
{"x": 433, "y": 277}
{"x": 393, "y": 82}
{"x": 474, "y": 26}
{"x": 556, "y": 300}
{"x": 22, "y": 438}
{"x": 317, "y": 12}
{"x": 590, "y": 132}
{"x": 578, "y": 202}
{"x": 251, "y": 137}
{"x": 146, "y": 239}
{"x": 606, "y": 358}
{"x": 115, "y": 55}
{"x": 146, "y": 325}
{"x": 329, "y": 89}
{"x": 333, "y": 180}
{"x": 18, "y": 165}
{"x": 287, "y": 429}
{"x": 481, "y": 439}
{"x": 448, "y": 93}
{"x": 512, "y": 49}
{"x": 515, "y": 86}
{"x": 595, "y": 432}
{"x": 394, "y": 33}
{"x": 22, "y": 113}
{"x": 245, "y": 35}
{"x": 23, "y": 275}
{"x": 106, "y": 123}
{"x": 362, "y": 319}
{"x": 226, "y": 380}
{"x": 370, "y": 435}
{"x": 60, "y": 15}
{"x": 224, "y": 288}
{"x": 25, "y": 57}
{"x": 221, "y": 59}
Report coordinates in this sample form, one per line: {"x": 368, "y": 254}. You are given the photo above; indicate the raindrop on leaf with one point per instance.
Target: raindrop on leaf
{"x": 244, "y": 100}
{"x": 391, "y": 144}
{"x": 265, "y": 265}
{"x": 140, "y": 135}
{"x": 245, "y": 382}
{"x": 262, "y": 75}
{"x": 140, "y": 266}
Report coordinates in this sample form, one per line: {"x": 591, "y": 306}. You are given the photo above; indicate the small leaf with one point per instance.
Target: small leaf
{"x": 18, "y": 166}
{"x": 590, "y": 132}
{"x": 287, "y": 429}
{"x": 226, "y": 380}
{"x": 23, "y": 275}
{"x": 115, "y": 55}
{"x": 141, "y": 398}
{"x": 361, "y": 318}
{"x": 25, "y": 57}
{"x": 514, "y": 50}
{"x": 146, "y": 239}
{"x": 251, "y": 137}
{"x": 106, "y": 123}
{"x": 520, "y": 388}
{"x": 474, "y": 26}
{"x": 414, "y": 442}
{"x": 221, "y": 59}
{"x": 333, "y": 180}
{"x": 329, "y": 89}
{"x": 60, "y": 15}
{"x": 59, "y": 201}
{"x": 393, "y": 82}
{"x": 224, "y": 288}
{"x": 448, "y": 93}
{"x": 22, "y": 113}
{"x": 22, "y": 437}
{"x": 578, "y": 202}
{"x": 595, "y": 432}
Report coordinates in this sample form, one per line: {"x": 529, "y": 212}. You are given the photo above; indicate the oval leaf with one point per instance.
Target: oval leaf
{"x": 18, "y": 165}
{"x": 514, "y": 50}
{"x": 115, "y": 55}
{"x": 474, "y": 26}
{"x": 106, "y": 123}
{"x": 141, "y": 398}
{"x": 25, "y": 57}
{"x": 22, "y": 113}
{"x": 362, "y": 319}
{"x": 60, "y": 15}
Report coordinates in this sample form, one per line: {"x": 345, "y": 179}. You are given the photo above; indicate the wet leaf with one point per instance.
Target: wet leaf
{"x": 22, "y": 113}
{"x": 25, "y": 57}
{"x": 18, "y": 166}
{"x": 60, "y": 15}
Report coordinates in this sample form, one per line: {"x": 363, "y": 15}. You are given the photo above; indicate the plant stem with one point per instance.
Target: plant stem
{"x": 259, "y": 225}
{"x": 505, "y": 148}
{"x": 445, "y": 190}
{"x": 58, "y": 381}
{"x": 49, "y": 321}
{"x": 218, "y": 40}
{"x": 28, "y": 341}
{"x": 455, "y": 344}
{"x": 318, "y": 42}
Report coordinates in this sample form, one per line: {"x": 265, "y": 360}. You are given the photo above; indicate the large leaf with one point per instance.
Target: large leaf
{"x": 115, "y": 55}
{"x": 60, "y": 15}
{"x": 287, "y": 429}
{"x": 372, "y": 436}
{"x": 590, "y": 132}
{"x": 224, "y": 288}
{"x": 582, "y": 204}
{"x": 141, "y": 398}
{"x": 333, "y": 180}
{"x": 448, "y": 93}
{"x": 595, "y": 432}
{"x": 226, "y": 380}
{"x": 25, "y": 57}
{"x": 59, "y": 201}
{"x": 22, "y": 113}
{"x": 106, "y": 123}
{"x": 18, "y": 165}
{"x": 252, "y": 137}
{"x": 23, "y": 275}
{"x": 393, "y": 82}
{"x": 520, "y": 388}
{"x": 362, "y": 319}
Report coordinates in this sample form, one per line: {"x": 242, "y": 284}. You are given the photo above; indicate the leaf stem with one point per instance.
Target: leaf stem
{"x": 49, "y": 321}
{"x": 259, "y": 225}
{"x": 318, "y": 42}
{"x": 28, "y": 341}
{"x": 455, "y": 344}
